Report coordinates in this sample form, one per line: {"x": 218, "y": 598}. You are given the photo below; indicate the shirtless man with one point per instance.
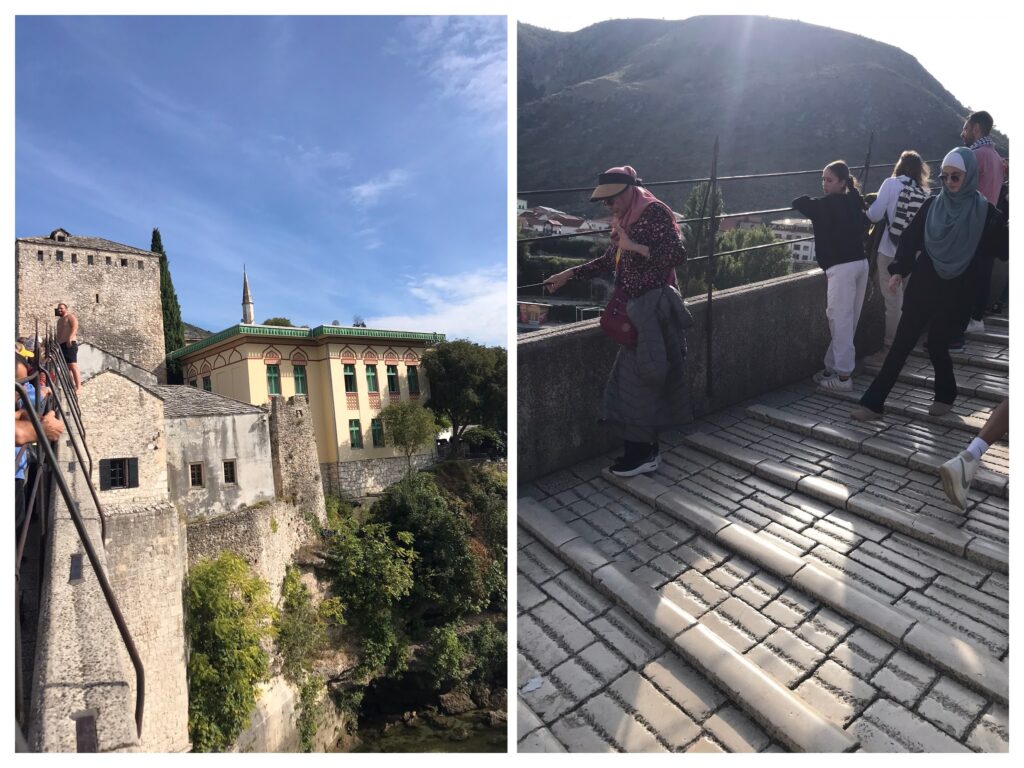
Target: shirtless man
{"x": 67, "y": 337}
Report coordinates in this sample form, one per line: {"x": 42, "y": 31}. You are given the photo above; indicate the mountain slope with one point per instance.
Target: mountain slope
{"x": 780, "y": 95}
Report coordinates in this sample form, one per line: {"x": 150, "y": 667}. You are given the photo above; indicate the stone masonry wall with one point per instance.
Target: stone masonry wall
{"x": 118, "y": 307}
{"x": 370, "y": 476}
{"x": 764, "y": 336}
{"x": 146, "y": 564}
{"x": 122, "y": 420}
{"x": 293, "y": 449}
{"x": 265, "y": 536}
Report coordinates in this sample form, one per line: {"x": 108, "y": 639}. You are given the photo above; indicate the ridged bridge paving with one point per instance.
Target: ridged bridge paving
{"x": 787, "y": 580}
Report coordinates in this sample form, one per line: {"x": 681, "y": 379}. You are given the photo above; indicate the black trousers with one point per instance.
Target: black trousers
{"x": 982, "y": 289}
{"x": 942, "y": 323}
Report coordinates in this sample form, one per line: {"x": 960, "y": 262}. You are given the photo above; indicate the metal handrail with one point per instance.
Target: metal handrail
{"x": 101, "y": 576}
{"x": 738, "y": 177}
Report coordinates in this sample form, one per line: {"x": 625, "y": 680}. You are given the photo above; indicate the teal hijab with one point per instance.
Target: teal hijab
{"x": 956, "y": 222}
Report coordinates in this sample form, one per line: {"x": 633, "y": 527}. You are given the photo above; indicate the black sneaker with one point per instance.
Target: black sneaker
{"x": 642, "y": 466}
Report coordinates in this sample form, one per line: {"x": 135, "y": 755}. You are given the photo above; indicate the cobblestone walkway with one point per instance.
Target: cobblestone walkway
{"x": 788, "y": 580}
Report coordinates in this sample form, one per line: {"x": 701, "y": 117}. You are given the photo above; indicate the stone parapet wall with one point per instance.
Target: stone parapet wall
{"x": 370, "y": 476}
{"x": 764, "y": 336}
{"x": 265, "y": 536}
{"x": 118, "y": 307}
{"x": 81, "y": 667}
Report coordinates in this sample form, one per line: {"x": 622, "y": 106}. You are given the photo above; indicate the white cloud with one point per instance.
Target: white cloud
{"x": 466, "y": 55}
{"x": 472, "y": 305}
{"x": 369, "y": 192}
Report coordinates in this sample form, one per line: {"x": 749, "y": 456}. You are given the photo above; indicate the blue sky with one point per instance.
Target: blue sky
{"x": 355, "y": 165}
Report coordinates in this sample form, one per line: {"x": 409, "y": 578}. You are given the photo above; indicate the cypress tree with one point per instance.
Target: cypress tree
{"x": 174, "y": 330}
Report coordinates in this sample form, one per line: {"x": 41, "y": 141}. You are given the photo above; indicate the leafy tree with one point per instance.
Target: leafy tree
{"x": 301, "y": 630}
{"x": 408, "y": 426}
{"x": 174, "y": 329}
{"x": 692, "y": 209}
{"x": 358, "y": 322}
{"x": 228, "y": 617}
{"x": 753, "y": 266}
{"x": 445, "y": 657}
{"x": 448, "y": 578}
{"x": 467, "y": 385}
{"x": 279, "y": 321}
{"x": 371, "y": 573}
{"x": 488, "y": 645}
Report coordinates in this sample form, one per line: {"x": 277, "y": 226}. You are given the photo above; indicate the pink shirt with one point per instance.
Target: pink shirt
{"x": 990, "y": 172}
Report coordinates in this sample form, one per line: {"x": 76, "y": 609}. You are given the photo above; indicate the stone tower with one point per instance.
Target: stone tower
{"x": 293, "y": 451}
{"x": 248, "y": 311}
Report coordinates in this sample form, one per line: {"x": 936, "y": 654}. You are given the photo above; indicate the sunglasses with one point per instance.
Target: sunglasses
{"x": 954, "y": 177}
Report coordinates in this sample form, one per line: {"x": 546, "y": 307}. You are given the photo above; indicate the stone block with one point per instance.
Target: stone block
{"x": 652, "y": 610}
{"x": 888, "y": 727}
{"x": 628, "y": 735}
{"x": 673, "y": 726}
{"x": 904, "y": 678}
{"x": 578, "y": 735}
{"x": 951, "y": 707}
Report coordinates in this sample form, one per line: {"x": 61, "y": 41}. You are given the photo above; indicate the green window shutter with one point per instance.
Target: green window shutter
{"x": 414, "y": 380}
{"x": 355, "y": 433}
{"x": 133, "y": 473}
{"x": 371, "y": 378}
{"x": 300, "y": 380}
{"x": 378, "y": 433}
{"x": 273, "y": 380}
{"x": 104, "y": 474}
{"x": 392, "y": 378}
{"x": 350, "y": 377}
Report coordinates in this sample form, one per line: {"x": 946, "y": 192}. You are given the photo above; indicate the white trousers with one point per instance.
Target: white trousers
{"x": 846, "y": 286}
{"x": 893, "y": 299}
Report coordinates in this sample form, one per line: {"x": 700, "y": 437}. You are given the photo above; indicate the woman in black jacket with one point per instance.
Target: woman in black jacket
{"x": 940, "y": 249}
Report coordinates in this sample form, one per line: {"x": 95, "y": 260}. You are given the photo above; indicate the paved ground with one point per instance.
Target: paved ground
{"x": 788, "y": 580}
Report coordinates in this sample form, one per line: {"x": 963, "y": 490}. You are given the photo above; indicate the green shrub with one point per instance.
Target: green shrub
{"x": 447, "y": 577}
{"x": 488, "y": 645}
{"x": 445, "y": 656}
{"x": 371, "y": 574}
{"x": 301, "y": 630}
{"x": 310, "y": 709}
{"x": 228, "y": 614}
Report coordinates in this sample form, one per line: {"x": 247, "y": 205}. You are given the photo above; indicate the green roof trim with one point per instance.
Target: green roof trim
{"x": 280, "y": 332}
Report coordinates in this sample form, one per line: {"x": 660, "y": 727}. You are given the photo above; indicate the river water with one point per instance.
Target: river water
{"x": 470, "y": 732}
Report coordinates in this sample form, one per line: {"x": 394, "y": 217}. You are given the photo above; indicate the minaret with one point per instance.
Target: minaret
{"x": 248, "y": 312}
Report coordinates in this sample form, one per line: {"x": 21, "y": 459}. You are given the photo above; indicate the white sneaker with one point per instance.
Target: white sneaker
{"x": 957, "y": 474}
{"x": 976, "y": 326}
{"x": 821, "y": 375}
{"x": 836, "y": 384}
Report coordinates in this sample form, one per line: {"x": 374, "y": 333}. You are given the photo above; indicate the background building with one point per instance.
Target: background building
{"x": 346, "y": 374}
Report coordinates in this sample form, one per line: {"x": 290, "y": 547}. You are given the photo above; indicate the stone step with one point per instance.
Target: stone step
{"x": 989, "y": 337}
{"x": 912, "y": 453}
{"x": 785, "y": 715}
{"x": 976, "y": 358}
{"x": 872, "y": 503}
{"x": 969, "y": 663}
{"x": 995, "y": 391}
{"x": 997, "y": 321}
{"x": 969, "y": 417}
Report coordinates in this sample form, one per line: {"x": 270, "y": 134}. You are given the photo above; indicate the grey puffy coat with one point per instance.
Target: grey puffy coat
{"x": 647, "y": 389}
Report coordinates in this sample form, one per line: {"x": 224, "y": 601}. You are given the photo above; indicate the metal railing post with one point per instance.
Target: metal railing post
{"x": 712, "y": 270}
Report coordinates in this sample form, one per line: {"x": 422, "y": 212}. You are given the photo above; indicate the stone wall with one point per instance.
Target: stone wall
{"x": 122, "y": 420}
{"x": 273, "y": 727}
{"x": 293, "y": 447}
{"x": 243, "y": 438}
{"x": 92, "y": 360}
{"x": 764, "y": 336}
{"x": 118, "y": 307}
{"x": 146, "y": 564}
{"x": 266, "y": 537}
{"x": 370, "y": 476}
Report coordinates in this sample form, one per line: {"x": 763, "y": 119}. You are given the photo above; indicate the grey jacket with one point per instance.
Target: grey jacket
{"x": 647, "y": 389}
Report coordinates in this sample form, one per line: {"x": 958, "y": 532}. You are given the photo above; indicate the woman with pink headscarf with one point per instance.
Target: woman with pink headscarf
{"x": 646, "y": 317}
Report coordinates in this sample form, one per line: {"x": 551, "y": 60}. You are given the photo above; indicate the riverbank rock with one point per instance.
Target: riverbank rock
{"x": 456, "y": 702}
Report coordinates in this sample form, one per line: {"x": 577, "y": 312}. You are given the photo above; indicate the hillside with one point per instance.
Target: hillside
{"x": 780, "y": 95}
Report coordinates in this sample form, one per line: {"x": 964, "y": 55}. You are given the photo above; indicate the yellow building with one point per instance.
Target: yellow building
{"x": 346, "y": 374}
